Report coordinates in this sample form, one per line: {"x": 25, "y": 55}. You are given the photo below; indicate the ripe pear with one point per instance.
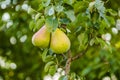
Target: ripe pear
{"x": 41, "y": 38}
{"x": 60, "y": 43}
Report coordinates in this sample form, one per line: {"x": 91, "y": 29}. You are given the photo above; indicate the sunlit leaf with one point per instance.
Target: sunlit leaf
{"x": 48, "y": 65}
{"x": 51, "y": 23}
{"x": 44, "y": 54}
{"x": 46, "y": 2}
{"x": 52, "y": 69}
{"x": 70, "y": 15}
{"x": 112, "y": 12}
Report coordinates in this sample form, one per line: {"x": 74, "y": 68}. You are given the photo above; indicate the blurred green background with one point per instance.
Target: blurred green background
{"x": 20, "y": 60}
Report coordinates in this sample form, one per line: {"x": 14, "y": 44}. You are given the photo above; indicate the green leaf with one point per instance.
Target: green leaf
{"x": 52, "y": 69}
{"x": 72, "y": 76}
{"x": 80, "y": 6}
{"x": 46, "y": 2}
{"x": 49, "y": 11}
{"x": 44, "y": 55}
{"x": 51, "y": 23}
{"x": 31, "y": 10}
{"x": 109, "y": 47}
{"x": 41, "y": 7}
{"x": 31, "y": 25}
{"x": 104, "y": 17}
{"x": 111, "y": 20}
{"x": 103, "y": 25}
{"x": 63, "y": 78}
{"x": 48, "y": 58}
{"x": 100, "y": 6}
{"x": 59, "y": 8}
{"x": 70, "y": 2}
{"x": 83, "y": 39}
{"x": 101, "y": 9}
{"x": 37, "y": 16}
{"x": 112, "y": 12}
{"x": 100, "y": 41}
{"x": 47, "y": 66}
{"x": 39, "y": 23}
{"x": 70, "y": 15}
{"x": 64, "y": 21}
{"x": 86, "y": 71}
{"x": 92, "y": 41}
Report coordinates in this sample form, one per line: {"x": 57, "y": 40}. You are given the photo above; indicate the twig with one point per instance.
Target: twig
{"x": 70, "y": 59}
{"x": 79, "y": 55}
{"x": 68, "y": 63}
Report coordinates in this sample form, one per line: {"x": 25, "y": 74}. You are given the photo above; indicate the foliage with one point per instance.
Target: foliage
{"x": 92, "y": 26}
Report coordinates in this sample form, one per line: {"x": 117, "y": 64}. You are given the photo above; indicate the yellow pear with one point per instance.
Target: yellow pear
{"x": 60, "y": 43}
{"x": 41, "y": 38}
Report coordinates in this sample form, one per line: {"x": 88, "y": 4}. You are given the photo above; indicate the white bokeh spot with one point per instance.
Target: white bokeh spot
{"x": 23, "y": 38}
{"x": 25, "y": 7}
{"x": 6, "y": 17}
{"x": 13, "y": 40}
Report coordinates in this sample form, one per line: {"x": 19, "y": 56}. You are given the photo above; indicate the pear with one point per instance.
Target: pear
{"x": 41, "y": 38}
{"x": 60, "y": 43}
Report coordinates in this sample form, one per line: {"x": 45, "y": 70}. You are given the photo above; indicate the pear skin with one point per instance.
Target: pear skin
{"x": 60, "y": 43}
{"x": 41, "y": 38}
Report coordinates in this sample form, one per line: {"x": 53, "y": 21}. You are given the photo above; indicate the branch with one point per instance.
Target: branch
{"x": 79, "y": 55}
{"x": 68, "y": 63}
{"x": 70, "y": 59}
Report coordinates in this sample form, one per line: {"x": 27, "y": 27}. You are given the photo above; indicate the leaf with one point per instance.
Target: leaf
{"x": 70, "y": 2}
{"x": 108, "y": 47}
{"x": 59, "y": 8}
{"x": 37, "y": 16}
{"x": 44, "y": 55}
{"x": 31, "y": 25}
{"x": 39, "y": 23}
{"x": 51, "y": 23}
{"x": 92, "y": 41}
{"x": 48, "y": 58}
{"x": 72, "y": 76}
{"x": 100, "y": 6}
{"x": 41, "y": 7}
{"x": 31, "y": 10}
{"x": 83, "y": 39}
{"x": 80, "y": 6}
{"x": 63, "y": 78}
{"x": 47, "y": 66}
{"x": 112, "y": 12}
{"x": 46, "y": 2}
{"x": 111, "y": 20}
{"x": 104, "y": 17}
{"x": 49, "y": 11}
{"x": 80, "y": 20}
{"x": 64, "y": 21}
{"x": 70, "y": 15}
{"x": 52, "y": 69}
{"x": 86, "y": 71}
{"x": 103, "y": 25}
{"x": 101, "y": 9}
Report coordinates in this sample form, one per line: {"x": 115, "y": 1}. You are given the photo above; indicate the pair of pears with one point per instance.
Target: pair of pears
{"x": 58, "y": 41}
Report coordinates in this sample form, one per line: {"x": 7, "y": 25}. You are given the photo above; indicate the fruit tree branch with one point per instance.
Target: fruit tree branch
{"x": 68, "y": 63}
{"x": 79, "y": 55}
{"x": 70, "y": 59}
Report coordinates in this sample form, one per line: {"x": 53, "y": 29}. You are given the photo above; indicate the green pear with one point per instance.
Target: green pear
{"x": 41, "y": 38}
{"x": 60, "y": 43}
